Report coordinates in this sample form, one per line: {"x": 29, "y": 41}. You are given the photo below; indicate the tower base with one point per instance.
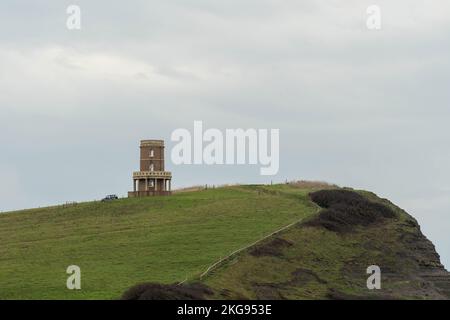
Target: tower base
{"x": 136, "y": 194}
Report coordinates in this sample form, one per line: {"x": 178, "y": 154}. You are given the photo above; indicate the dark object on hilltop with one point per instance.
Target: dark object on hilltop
{"x": 156, "y": 291}
{"x": 110, "y": 197}
{"x": 344, "y": 209}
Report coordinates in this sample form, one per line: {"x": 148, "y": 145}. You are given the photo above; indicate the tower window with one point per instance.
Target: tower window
{"x": 152, "y": 153}
{"x": 151, "y": 167}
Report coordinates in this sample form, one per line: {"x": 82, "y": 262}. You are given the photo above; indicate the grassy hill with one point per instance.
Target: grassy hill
{"x": 121, "y": 243}
{"x": 326, "y": 257}
{"x": 333, "y": 237}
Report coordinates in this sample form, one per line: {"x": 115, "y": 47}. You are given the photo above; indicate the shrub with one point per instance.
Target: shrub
{"x": 271, "y": 248}
{"x": 157, "y": 291}
{"x": 344, "y": 209}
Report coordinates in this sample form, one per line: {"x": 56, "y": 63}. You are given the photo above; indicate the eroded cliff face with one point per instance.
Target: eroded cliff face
{"x": 429, "y": 268}
{"x": 413, "y": 258}
{"x": 327, "y": 256}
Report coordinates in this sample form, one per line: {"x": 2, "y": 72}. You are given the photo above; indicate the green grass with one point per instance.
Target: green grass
{"x": 119, "y": 244}
{"x": 338, "y": 263}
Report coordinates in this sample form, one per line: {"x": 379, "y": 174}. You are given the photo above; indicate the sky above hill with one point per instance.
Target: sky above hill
{"x": 356, "y": 107}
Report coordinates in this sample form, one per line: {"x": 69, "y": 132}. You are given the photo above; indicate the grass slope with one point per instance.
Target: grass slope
{"x": 122, "y": 243}
{"x": 309, "y": 261}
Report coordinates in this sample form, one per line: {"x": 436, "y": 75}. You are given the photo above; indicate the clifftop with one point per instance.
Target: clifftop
{"x": 326, "y": 257}
{"x": 329, "y": 239}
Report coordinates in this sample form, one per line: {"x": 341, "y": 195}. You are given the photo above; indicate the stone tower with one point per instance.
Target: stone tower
{"x": 151, "y": 179}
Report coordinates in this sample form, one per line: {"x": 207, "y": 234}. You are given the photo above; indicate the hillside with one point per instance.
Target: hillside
{"x": 327, "y": 256}
{"x": 166, "y": 240}
{"x": 121, "y": 243}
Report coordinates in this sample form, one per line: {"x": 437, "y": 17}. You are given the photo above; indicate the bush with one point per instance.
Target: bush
{"x": 271, "y": 248}
{"x": 157, "y": 291}
{"x": 345, "y": 209}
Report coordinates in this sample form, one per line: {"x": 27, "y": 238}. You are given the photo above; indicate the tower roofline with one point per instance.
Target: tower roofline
{"x": 145, "y": 143}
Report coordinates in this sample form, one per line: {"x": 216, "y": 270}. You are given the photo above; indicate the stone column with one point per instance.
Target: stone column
{"x": 134, "y": 185}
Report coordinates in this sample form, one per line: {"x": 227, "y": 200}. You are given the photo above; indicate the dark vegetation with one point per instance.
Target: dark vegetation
{"x": 344, "y": 209}
{"x": 271, "y": 248}
{"x": 163, "y": 240}
{"x": 325, "y": 256}
{"x": 157, "y": 291}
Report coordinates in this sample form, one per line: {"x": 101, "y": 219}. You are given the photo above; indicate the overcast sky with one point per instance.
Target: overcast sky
{"x": 357, "y": 107}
